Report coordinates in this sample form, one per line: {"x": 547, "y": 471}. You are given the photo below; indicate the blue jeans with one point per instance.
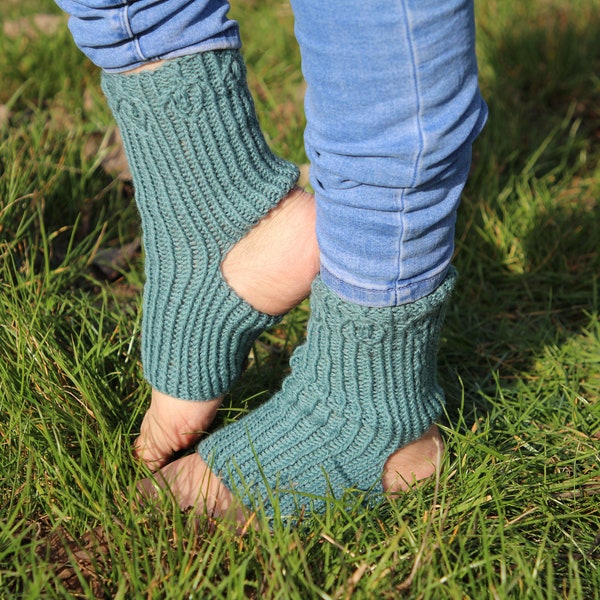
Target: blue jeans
{"x": 392, "y": 107}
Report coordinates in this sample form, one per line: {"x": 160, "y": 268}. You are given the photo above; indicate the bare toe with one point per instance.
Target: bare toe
{"x": 171, "y": 425}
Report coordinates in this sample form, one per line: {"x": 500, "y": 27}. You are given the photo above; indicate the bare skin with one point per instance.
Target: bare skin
{"x": 273, "y": 283}
{"x": 193, "y": 484}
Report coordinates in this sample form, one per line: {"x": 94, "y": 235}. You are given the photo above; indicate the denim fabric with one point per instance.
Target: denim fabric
{"x": 119, "y": 35}
{"x": 392, "y": 108}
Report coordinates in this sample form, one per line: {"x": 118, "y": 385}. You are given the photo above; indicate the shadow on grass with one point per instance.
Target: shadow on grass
{"x": 529, "y": 226}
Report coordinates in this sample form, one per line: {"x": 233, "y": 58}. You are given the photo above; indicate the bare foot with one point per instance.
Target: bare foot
{"x": 171, "y": 425}
{"x": 414, "y": 462}
{"x": 193, "y": 485}
{"x": 272, "y": 268}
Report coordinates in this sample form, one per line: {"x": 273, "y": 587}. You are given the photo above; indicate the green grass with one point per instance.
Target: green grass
{"x": 515, "y": 512}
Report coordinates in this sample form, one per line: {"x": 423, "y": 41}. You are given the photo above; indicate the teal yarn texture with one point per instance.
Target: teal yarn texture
{"x": 362, "y": 385}
{"x": 203, "y": 177}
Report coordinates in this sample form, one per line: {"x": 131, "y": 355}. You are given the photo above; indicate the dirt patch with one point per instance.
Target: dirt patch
{"x": 79, "y": 564}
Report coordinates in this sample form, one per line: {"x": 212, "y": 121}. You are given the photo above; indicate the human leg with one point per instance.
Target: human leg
{"x": 270, "y": 268}
{"x": 392, "y": 110}
{"x": 204, "y": 178}
{"x": 210, "y": 196}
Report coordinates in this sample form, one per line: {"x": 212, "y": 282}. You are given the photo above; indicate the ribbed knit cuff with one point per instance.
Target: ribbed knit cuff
{"x": 363, "y": 385}
{"x": 203, "y": 176}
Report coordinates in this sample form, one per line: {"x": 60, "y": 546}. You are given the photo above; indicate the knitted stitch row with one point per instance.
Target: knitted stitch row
{"x": 203, "y": 177}
{"x": 362, "y": 385}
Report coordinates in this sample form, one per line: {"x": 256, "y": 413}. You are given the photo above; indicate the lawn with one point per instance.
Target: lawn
{"x": 515, "y": 509}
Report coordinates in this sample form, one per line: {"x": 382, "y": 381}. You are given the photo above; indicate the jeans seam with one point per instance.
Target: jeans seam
{"x": 417, "y": 95}
{"x": 400, "y": 253}
{"x": 419, "y": 151}
{"x": 127, "y": 25}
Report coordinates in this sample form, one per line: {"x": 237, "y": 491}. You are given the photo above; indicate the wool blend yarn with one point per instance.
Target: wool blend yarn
{"x": 362, "y": 385}
{"x": 203, "y": 177}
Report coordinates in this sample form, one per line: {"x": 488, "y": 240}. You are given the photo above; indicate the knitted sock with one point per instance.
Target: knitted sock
{"x": 362, "y": 385}
{"x": 203, "y": 176}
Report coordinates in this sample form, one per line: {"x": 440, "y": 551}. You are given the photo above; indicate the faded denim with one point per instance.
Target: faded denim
{"x": 392, "y": 108}
{"x": 119, "y": 35}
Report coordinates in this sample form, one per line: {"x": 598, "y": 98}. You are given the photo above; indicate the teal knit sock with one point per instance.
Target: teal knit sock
{"x": 203, "y": 176}
{"x": 363, "y": 385}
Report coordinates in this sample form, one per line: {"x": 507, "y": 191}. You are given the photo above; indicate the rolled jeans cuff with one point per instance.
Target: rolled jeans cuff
{"x": 120, "y": 35}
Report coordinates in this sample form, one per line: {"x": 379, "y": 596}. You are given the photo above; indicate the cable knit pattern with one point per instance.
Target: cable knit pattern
{"x": 362, "y": 385}
{"x": 203, "y": 176}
